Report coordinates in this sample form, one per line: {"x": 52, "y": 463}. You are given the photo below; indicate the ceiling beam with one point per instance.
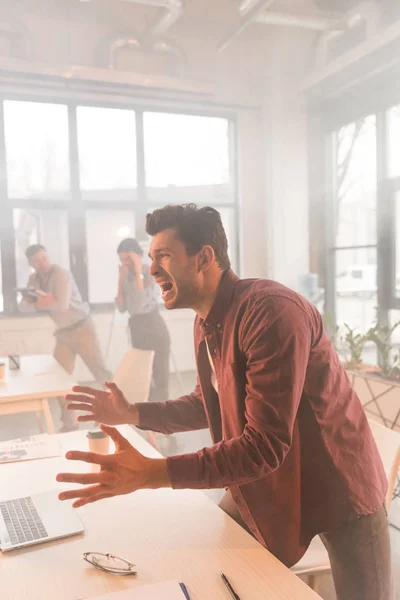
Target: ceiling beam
{"x": 251, "y": 15}
{"x": 315, "y": 23}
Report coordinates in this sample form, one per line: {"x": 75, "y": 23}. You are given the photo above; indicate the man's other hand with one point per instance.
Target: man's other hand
{"x": 123, "y": 472}
{"x": 110, "y": 406}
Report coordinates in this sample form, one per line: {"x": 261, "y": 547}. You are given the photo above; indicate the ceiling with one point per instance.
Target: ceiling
{"x": 221, "y": 11}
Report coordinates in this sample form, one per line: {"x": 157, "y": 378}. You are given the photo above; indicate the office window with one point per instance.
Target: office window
{"x": 46, "y": 227}
{"x": 188, "y": 159}
{"x": 80, "y": 178}
{"x": 107, "y": 153}
{"x": 363, "y": 233}
{"x": 104, "y": 231}
{"x": 354, "y": 221}
{"x": 356, "y": 287}
{"x": 357, "y": 183}
{"x": 36, "y": 140}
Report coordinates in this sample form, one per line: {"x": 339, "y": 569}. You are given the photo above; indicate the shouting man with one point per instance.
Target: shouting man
{"x": 292, "y": 444}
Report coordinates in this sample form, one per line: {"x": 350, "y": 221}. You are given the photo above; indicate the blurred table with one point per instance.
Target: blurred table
{"x": 29, "y": 388}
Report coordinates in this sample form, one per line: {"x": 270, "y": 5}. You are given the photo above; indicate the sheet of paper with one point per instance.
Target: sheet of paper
{"x": 40, "y": 446}
{"x": 167, "y": 590}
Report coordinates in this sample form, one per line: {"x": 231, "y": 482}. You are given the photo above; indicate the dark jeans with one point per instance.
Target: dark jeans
{"x": 149, "y": 332}
{"x": 359, "y": 553}
{"x": 360, "y": 557}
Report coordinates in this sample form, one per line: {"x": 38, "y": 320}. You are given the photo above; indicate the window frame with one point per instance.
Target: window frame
{"x": 359, "y": 103}
{"x": 76, "y": 206}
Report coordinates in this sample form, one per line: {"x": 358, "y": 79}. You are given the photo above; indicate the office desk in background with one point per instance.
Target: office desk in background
{"x": 168, "y": 534}
{"x": 29, "y": 388}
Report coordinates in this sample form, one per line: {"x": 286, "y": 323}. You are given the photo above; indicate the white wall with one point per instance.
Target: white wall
{"x": 287, "y": 242}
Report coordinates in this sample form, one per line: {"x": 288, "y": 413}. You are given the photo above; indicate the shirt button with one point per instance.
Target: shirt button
{"x": 219, "y": 325}
{"x": 213, "y": 352}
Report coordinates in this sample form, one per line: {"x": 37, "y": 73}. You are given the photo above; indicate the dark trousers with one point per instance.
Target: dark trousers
{"x": 360, "y": 557}
{"x": 359, "y": 553}
{"x": 149, "y": 332}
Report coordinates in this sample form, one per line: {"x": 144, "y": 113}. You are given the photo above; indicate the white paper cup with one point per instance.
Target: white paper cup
{"x": 2, "y": 371}
{"x": 99, "y": 443}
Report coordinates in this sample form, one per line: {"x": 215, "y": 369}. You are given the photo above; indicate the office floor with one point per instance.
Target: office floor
{"x": 24, "y": 425}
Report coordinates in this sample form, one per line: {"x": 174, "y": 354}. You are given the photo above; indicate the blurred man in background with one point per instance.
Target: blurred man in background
{"x": 58, "y": 295}
{"x": 137, "y": 294}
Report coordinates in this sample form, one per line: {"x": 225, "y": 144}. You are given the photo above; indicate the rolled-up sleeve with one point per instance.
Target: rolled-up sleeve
{"x": 174, "y": 416}
{"x": 276, "y": 339}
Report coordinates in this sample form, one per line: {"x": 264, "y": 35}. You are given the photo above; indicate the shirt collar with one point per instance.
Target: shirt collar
{"x": 226, "y": 288}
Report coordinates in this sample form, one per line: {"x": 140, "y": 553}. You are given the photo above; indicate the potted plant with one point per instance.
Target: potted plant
{"x": 351, "y": 347}
{"x": 378, "y": 386}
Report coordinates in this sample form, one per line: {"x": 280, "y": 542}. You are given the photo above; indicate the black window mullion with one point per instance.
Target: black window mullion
{"x": 76, "y": 212}
{"x": 384, "y": 214}
{"x": 7, "y": 233}
{"x": 386, "y": 259}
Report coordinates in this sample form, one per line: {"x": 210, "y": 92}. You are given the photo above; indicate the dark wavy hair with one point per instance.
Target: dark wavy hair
{"x": 34, "y": 249}
{"x": 195, "y": 227}
{"x": 130, "y": 245}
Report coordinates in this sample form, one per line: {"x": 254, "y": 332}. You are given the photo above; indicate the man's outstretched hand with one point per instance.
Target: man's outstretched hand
{"x": 123, "y": 472}
{"x": 108, "y": 406}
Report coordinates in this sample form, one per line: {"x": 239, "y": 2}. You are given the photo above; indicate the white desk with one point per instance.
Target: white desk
{"x": 168, "y": 534}
{"x": 28, "y": 389}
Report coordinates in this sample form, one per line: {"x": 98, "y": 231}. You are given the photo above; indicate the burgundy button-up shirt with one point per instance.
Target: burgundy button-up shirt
{"x": 291, "y": 439}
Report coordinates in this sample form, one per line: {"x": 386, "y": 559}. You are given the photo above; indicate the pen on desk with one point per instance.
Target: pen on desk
{"x": 230, "y": 588}
{"x": 184, "y": 590}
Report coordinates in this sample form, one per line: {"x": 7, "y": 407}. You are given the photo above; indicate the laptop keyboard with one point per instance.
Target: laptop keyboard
{"x": 22, "y": 521}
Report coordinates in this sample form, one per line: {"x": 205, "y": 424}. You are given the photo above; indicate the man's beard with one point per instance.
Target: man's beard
{"x": 186, "y": 296}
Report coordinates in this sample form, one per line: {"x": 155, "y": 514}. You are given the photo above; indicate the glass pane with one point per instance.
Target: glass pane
{"x": 36, "y": 136}
{"x": 107, "y": 153}
{"x": 104, "y": 231}
{"x": 356, "y": 183}
{"x": 393, "y": 137}
{"x": 186, "y": 150}
{"x": 46, "y": 227}
{"x": 356, "y": 288}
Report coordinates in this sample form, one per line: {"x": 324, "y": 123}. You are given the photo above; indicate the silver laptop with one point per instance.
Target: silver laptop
{"x": 36, "y": 519}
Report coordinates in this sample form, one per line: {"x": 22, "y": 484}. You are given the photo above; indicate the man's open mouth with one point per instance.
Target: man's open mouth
{"x": 166, "y": 288}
